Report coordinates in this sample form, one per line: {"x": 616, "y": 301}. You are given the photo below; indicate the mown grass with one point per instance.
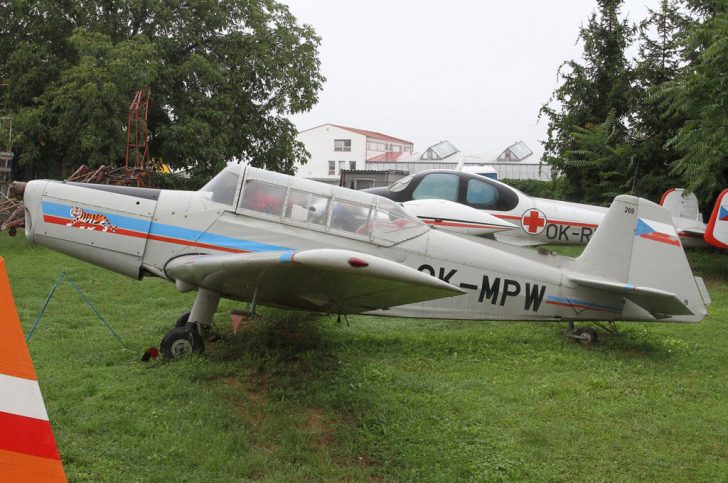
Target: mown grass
{"x": 302, "y": 398}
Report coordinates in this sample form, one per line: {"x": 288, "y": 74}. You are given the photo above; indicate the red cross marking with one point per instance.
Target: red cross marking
{"x": 533, "y": 221}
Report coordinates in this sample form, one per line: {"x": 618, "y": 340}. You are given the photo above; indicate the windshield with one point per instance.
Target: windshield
{"x": 222, "y": 187}
{"x": 393, "y": 214}
{"x": 400, "y": 184}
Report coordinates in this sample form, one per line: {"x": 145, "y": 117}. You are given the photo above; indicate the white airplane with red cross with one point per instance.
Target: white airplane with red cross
{"x": 515, "y": 217}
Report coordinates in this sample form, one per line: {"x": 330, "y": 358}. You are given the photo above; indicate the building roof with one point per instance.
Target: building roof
{"x": 518, "y": 149}
{"x": 389, "y": 157}
{"x": 443, "y": 149}
{"x": 374, "y": 134}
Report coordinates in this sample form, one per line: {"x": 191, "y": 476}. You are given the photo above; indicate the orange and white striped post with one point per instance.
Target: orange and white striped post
{"x": 28, "y": 451}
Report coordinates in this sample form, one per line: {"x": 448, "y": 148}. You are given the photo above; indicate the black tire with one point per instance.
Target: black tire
{"x": 182, "y": 320}
{"x": 588, "y": 335}
{"x": 12, "y": 231}
{"x": 180, "y": 342}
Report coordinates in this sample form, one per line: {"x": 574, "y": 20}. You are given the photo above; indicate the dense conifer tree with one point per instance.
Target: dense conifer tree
{"x": 588, "y": 94}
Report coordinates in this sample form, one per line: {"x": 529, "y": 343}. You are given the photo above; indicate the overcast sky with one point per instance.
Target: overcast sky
{"x": 474, "y": 72}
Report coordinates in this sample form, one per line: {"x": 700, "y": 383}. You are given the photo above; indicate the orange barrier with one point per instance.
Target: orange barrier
{"x": 28, "y": 451}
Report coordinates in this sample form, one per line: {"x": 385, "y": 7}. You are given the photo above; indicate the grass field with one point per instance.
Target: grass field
{"x": 301, "y": 398}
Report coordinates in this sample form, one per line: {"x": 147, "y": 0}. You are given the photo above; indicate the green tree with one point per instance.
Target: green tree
{"x": 602, "y": 151}
{"x": 224, "y": 76}
{"x": 659, "y": 61}
{"x": 588, "y": 93}
{"x": 699, "y": 95}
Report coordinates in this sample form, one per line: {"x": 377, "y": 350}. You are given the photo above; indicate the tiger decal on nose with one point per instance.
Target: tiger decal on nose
{"x": 89, "y": 221}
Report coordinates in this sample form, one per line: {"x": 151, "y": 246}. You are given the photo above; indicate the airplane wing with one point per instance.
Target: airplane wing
{"x": 323, "y": 280}
{"x": 28, "y": 451}
{"x": 516, "y": 240}
{"x": 659, "y": 303}
{"x": 456, "y": 217}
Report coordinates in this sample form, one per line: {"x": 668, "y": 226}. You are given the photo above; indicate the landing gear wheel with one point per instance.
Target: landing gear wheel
{"x": 12, "y": 231}
{"x": 182, "y": 320}
{"x": 179, "y": 342}
{"x": 586, "y": 335}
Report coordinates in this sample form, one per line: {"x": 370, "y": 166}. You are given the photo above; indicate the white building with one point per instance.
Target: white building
{"x": 333, "y": 148}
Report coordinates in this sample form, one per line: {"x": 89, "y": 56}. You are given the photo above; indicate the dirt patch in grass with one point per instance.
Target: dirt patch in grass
{"x": 320, "y": 427}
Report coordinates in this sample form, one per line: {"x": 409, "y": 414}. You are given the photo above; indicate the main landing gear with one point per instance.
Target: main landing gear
{"x": 186, "y": 337}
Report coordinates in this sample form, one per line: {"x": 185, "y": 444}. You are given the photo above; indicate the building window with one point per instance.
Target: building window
{"x": 342, "y": 166}
{"x": 364, "y": 183}
{"x": 332, "y": 167}
{"x": 352, "y": 165}
{"x": 342, "y": 145}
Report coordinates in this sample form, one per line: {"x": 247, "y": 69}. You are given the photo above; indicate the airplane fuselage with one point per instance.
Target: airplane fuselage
{"x": 538, "y": 220}
{"x": 139, "y": 232}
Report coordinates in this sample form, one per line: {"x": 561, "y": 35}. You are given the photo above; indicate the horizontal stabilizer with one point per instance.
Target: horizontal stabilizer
{"x": 322, "y": 280}
{"x": 659, "y": 303}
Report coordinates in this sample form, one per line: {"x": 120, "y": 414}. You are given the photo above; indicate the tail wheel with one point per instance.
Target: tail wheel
{"x": 586, "y": 335}
{"x": 180, "y": 342}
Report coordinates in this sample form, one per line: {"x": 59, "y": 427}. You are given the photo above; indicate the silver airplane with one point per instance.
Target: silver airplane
{"x": 272, "y": 239}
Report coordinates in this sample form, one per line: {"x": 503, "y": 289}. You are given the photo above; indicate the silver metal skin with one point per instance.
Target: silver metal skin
{"x": 295, "y": 243}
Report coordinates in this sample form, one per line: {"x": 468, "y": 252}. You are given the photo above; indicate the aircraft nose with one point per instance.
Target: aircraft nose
{"x": 32, "y": 199}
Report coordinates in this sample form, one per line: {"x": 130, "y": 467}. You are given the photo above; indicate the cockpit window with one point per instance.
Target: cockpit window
{"x": 480, "y": 193}
{"x": 263, "y": 197}
{"x": 351, "y": 217}
{"x": 222, "y": 187}
{"x": 442, "y": 186}
{"x": 391, "y": 217}
{"x": 307, "y": 207}
{"x": 400, "y": 184}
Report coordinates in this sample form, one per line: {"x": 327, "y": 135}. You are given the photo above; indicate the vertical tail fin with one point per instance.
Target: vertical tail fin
{"x": 636, "y": 251}
{"x": 28, "y": 450}
{"x": 716, "y": 233}
{"x": 681, "y": 205}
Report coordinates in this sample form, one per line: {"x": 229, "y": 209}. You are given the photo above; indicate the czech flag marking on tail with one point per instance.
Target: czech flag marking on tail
{"x": 28, "y": 451}
{"x": 656, "y": 231}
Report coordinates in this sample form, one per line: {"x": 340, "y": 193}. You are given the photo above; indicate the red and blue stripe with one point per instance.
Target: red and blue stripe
{"x": 59, "y": 214}
{"x": 581, "y": 304}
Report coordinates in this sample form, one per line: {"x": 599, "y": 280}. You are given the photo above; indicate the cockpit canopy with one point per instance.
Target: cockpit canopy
{"x": 317, "y": 206}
